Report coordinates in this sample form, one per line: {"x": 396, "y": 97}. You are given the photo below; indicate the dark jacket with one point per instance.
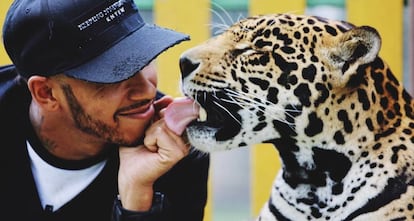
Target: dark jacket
{"x": 185, "y": 186}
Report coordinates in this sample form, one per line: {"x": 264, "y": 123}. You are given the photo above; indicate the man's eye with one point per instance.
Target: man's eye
{"x": 98, "y": 86}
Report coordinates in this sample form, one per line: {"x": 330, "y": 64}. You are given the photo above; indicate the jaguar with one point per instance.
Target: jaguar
{"x": 317, "y": 90}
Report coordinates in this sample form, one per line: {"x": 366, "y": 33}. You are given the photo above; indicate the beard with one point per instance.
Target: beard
{"x": 92, "y": 126}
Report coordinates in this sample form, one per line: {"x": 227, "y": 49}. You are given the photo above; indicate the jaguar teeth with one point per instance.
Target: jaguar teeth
{"x": 202, "y": 115}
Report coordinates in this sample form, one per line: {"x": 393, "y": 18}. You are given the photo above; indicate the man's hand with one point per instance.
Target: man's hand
{"x": 140, "y": 167}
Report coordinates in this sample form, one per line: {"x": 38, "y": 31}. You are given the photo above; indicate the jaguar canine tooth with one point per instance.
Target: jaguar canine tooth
{"x": 202, "y": 115}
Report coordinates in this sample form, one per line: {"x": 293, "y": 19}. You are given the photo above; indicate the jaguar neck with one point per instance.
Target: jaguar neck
{"x": 315, "y": 167}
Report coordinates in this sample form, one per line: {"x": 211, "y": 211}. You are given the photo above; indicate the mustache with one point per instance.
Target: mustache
{"x": 134, "y": 106}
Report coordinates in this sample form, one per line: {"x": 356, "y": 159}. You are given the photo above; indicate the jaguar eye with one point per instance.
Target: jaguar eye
{"x": 236, "y": 52}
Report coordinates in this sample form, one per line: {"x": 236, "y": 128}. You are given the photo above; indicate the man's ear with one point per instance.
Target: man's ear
{"x": 42, "y": 92}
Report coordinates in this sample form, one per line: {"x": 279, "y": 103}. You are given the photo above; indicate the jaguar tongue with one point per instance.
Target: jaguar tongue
{"x": 180, "y": 113}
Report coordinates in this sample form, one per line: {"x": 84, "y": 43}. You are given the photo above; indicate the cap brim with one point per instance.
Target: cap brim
{"x": 128, "y": 56}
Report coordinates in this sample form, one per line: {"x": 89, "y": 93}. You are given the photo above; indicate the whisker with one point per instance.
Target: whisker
{"x": 226, "y": 13}
{"x": 222, "y": 107}
{"x": 271, "y": 109}
{"x": 262, "y": 103}
{"x": 245, "y": 102}
{"x": 220, "y": 28}
{"x": 227, "y": 111}
{"x": 214, "y": 92}
{"x": 242, "y": 105}
{"x": 220, "y": 17}
{"x": 240, "y": 17}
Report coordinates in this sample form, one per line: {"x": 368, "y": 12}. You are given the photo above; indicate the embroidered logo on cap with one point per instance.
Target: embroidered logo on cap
{"x": 101, "y": 17}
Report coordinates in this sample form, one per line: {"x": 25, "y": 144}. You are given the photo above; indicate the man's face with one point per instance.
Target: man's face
{"x": 115, "y": 113}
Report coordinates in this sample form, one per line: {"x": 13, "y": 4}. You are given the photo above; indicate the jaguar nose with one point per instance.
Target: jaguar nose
{"x": 187, "y": 66}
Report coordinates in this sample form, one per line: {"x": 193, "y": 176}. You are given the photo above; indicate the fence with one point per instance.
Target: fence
{"x": 259, "y": 165}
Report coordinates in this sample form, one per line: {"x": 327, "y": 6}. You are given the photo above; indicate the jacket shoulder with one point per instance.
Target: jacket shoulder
{"x": 14, "y": 98}
{"x": 7, "y": 72}
{"x": 9, "y": 78}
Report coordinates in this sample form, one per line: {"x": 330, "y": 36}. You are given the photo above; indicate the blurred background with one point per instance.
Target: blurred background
{"x": 240, "y": 180}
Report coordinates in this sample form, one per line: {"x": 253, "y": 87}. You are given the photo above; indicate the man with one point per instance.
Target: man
{"x": 82, "y": 124}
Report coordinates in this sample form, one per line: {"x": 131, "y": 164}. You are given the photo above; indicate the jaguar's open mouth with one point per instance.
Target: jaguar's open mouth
{"x": 218, "y": 113}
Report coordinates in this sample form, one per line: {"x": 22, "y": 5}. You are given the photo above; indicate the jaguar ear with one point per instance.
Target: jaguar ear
{"x": 359, "y": 45}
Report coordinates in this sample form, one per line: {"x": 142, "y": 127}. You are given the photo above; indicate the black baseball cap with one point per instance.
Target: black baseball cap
{"x": 103, "y": 41}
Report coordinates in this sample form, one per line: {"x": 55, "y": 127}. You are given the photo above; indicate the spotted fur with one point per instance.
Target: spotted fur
{"x": 319, "y": 92}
